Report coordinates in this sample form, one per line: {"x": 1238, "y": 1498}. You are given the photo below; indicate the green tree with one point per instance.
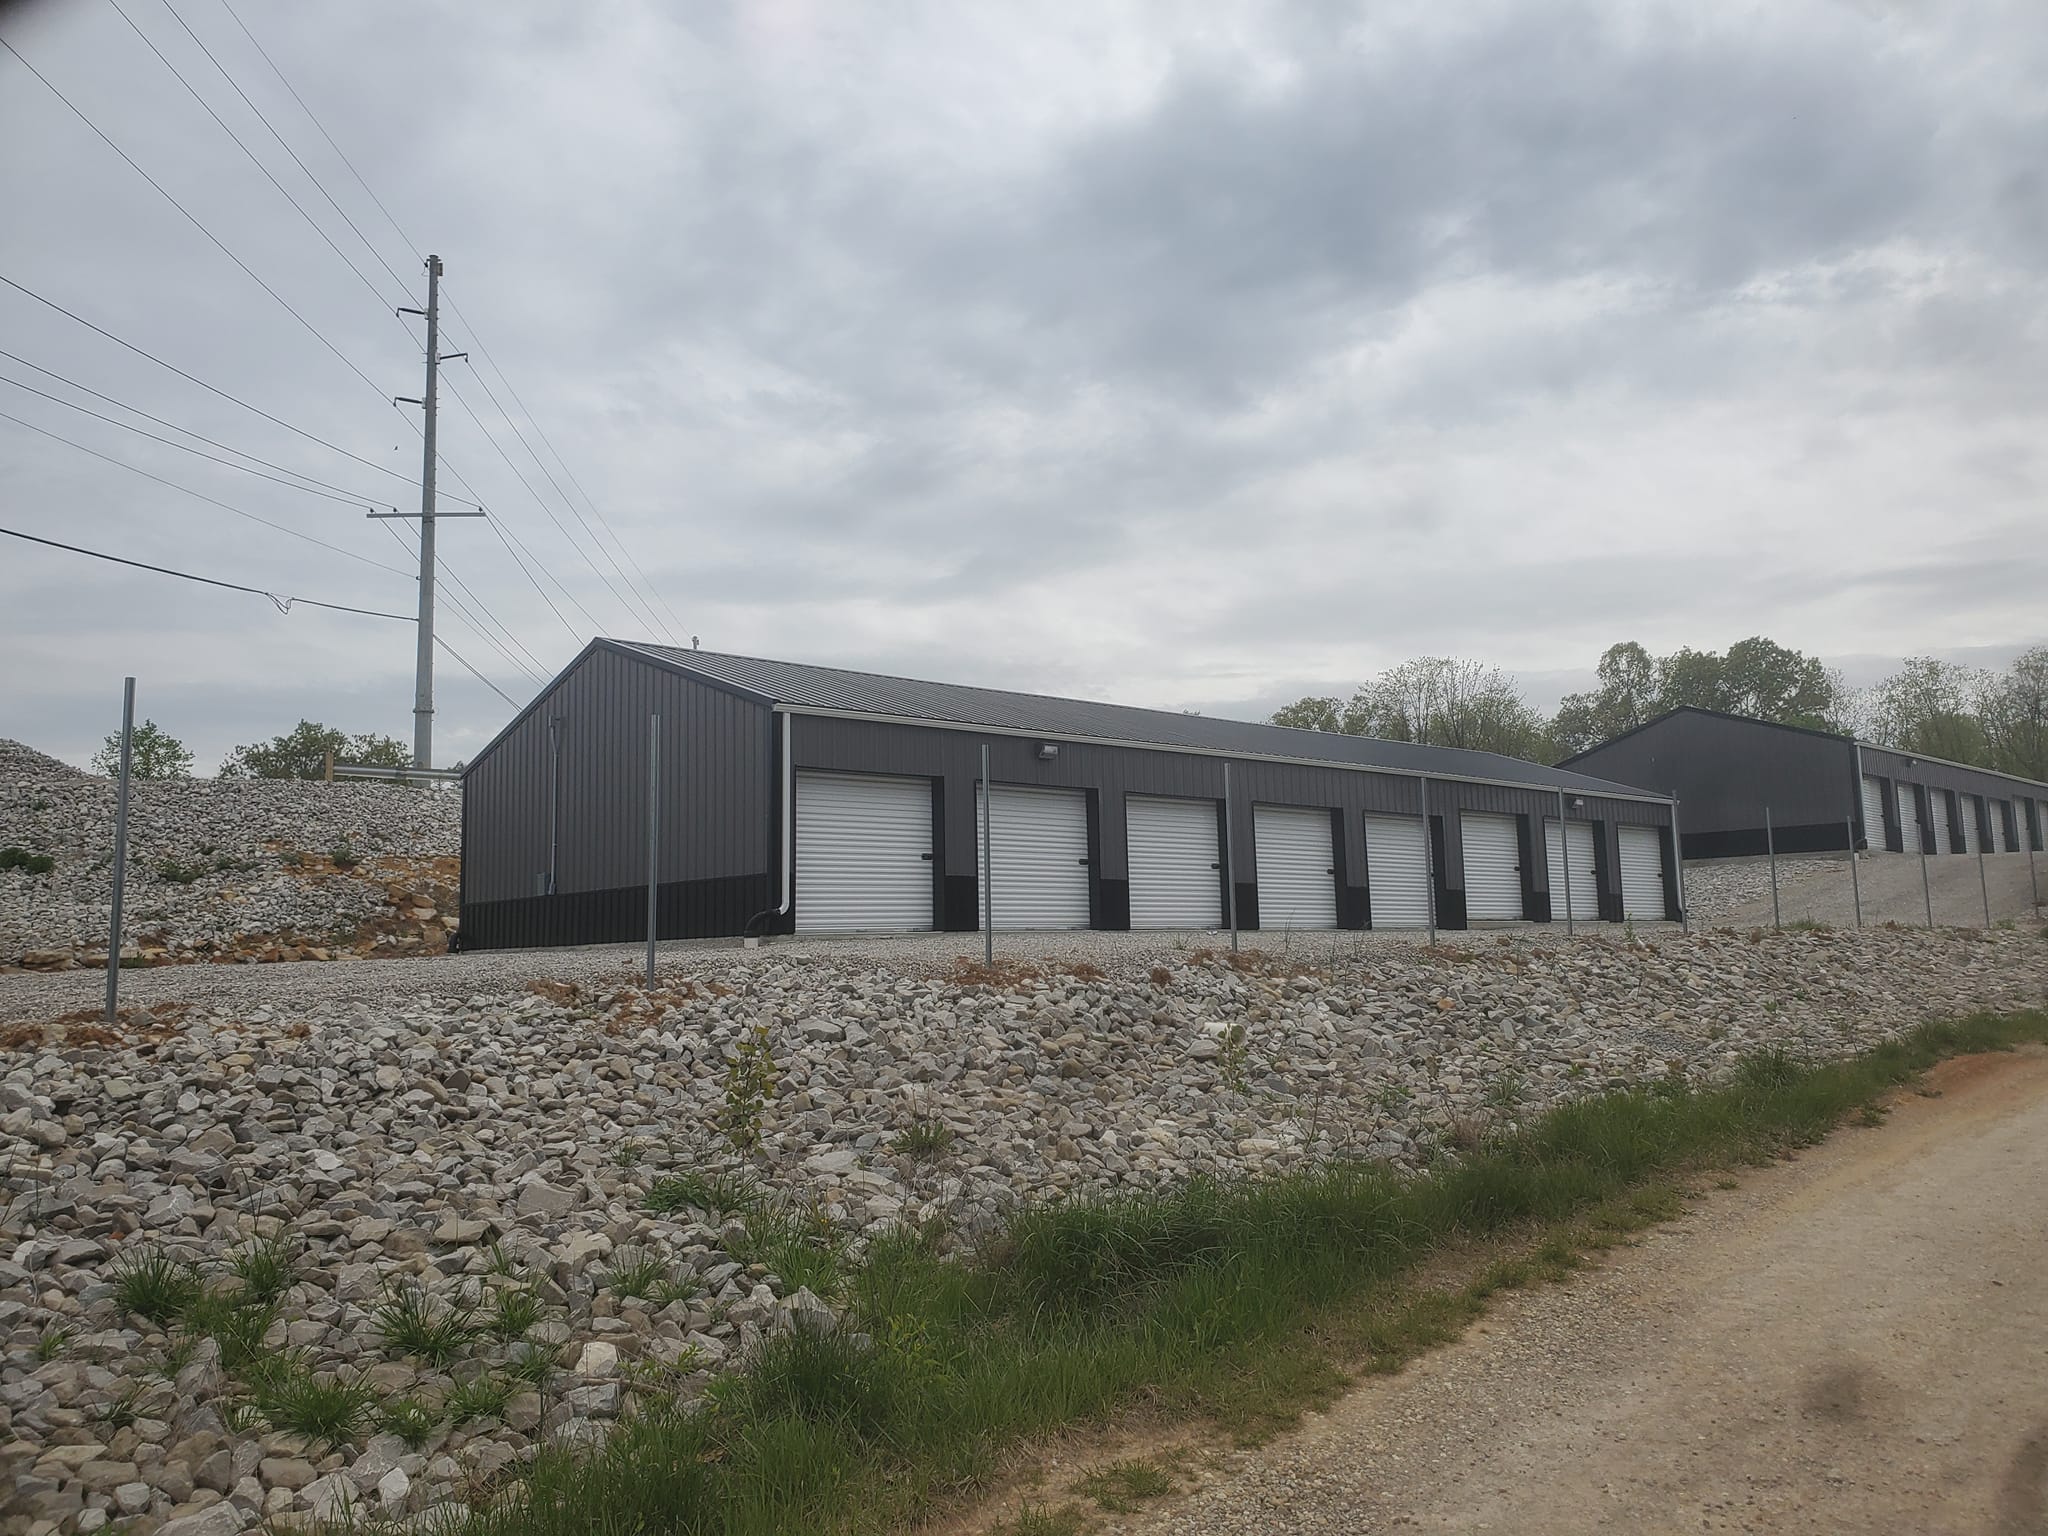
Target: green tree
{"x": 302, "y": 753}
{"x": 1931, "y": 707}
{"x": 1762, "y": 678}
{"x": 1626, "y": 698}
{"x": 2013, "y": 712}
{"x": 1437, "y": 700}
{"x": 153, "y": 754}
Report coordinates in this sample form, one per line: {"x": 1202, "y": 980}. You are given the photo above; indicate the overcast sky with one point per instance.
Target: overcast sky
{"x": 1192, "y": 354}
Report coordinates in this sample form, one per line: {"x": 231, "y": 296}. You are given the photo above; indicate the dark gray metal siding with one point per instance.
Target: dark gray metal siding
{"x": 718, "y": 777}
{"x": 1724, "y": 772}
{"x": 1996, "y": 790}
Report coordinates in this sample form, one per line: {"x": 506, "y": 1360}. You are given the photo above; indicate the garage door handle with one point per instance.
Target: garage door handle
{"x": 1080, "y": 861}
{"x": 1217, "y": 865}
{"x": 926, "y": 857}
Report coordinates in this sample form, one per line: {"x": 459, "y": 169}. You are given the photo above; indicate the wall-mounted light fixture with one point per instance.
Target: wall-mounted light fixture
{"x": 1048, "y": 750}
{"x": 1578, "y": 802}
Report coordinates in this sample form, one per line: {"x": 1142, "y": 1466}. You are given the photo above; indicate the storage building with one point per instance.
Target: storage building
{"x": 1822, "y": 791}
{"x": 808, "y": 799}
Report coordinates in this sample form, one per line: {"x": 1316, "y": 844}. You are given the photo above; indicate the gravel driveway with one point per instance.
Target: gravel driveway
{"x": 1850, "y": 1342}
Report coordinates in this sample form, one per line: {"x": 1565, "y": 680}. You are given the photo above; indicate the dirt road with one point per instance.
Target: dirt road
{"x": 1853, "y": 1342}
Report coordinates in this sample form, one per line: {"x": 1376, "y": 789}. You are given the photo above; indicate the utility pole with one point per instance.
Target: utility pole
{"x": 423, "y": 656}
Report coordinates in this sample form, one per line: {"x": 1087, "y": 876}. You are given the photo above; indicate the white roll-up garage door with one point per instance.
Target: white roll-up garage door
{"x": 1937, "y": 814}
{"x": 2001, "y": 840}
{"x": 1039, "y": 844}
{"x": 1297, "y": 868}
{"x": 1873, "y": 814}
{"x": 1578, "y": 841}
{"x": 1967, "y": 807}
{"x": 1176, "y": 871}
{"x": 1397, "y": 871}
{"x": 1493, "y": 867}
{"x": 1909, "y": 817}
{"x": 863, "y": 853}
{"x": 1642, "y": 873}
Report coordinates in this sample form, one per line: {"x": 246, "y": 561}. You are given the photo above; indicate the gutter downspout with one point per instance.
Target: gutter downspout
{"x": 786, "y": 795}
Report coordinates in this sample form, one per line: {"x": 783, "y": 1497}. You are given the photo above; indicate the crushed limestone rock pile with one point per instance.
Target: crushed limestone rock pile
{"x": 502, "y": 1221}
{"x": 252, "y": 869}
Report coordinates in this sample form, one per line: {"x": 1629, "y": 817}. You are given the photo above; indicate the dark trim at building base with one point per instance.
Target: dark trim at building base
{"x": 685, "y": 909}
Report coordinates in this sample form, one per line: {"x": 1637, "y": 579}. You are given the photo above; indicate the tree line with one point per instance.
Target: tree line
{"x": 300, "y": 753}
{"x": 1992, "y": 719}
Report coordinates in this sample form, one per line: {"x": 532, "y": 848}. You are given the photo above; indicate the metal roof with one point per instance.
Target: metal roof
{"x": 802, "y": 687}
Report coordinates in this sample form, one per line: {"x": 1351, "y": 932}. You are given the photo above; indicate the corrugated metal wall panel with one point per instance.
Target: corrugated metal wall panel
{"x": 863, "y": 854}
{"x": 1175, "y": 864}
{"x": 1642, "y": 874}
{"x": 1038, "y": 843}
{"x": 1970, "y": 810}
{"x": 1908, "y": 800}
{"x": 1297, "y": 868}
{"x": 1939, "y": 810}
{"x": 1397, "y": 867}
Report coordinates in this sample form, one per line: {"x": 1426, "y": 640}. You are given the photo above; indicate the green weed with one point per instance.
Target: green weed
{"x": 154, "y": 1285}
{"x": 414, "y": 1323}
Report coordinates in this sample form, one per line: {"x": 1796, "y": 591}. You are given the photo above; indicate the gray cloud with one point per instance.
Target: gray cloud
{"x": 1064, "y": 349}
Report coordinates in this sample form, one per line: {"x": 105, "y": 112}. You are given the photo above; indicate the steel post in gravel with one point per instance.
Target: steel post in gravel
{"x": 653, "y": 833}
{"x": 1983, "y": 882}
{"x": 1229, "y": 860}
{"x": 1926, "y": 891}
{"x": 1771, "y": 848}
{"x": 120, "y": 848}
{"x": 988, "y": 873}
{"x": 1855, "y": 880}
{"x": 1428, "y": 861}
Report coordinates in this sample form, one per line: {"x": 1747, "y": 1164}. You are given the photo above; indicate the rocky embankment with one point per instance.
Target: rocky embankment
{"x": 220, "y": 869}
{"x": 284, "y": 1261}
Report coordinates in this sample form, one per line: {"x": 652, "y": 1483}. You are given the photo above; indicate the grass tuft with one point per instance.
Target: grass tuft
{"x": 414, "y": 1323}
{"x": 717, "y": 1195}
{"x": 513, "y": 1313}
{"x": 1122, "y": 1485}
{"x": 484, "y": 1397}
{"x": 329, "y": 1410}
{"x": 266, "y": 1266}
{"x": 155, "y": 1286}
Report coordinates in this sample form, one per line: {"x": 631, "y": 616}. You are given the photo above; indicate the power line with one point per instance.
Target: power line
{"x": 346, "y": 500}
{"x": 477, "y": 342}
{"x": 548, "y": 511}
{"x": 516, "y": 560}
{"x": 212, "y": 389}
{"x": 226, "y": 75}
{"x": 404, "y": 239}
{"x": 474, "y": 624}
{"x": 342, "y": 493}
{"x": 645, "y": 606}
{"x": 207, "y": 108}
{"x": 407, "y": 240}
{"x": 284, "y": 604}
{"x": 201, "y": 495}
{"x": 193, "y": 219}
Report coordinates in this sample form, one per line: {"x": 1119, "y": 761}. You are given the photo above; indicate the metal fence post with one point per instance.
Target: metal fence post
{"x": 1428, "y": 861}
{"x": 1678, "y": 871}
{"x": 653, "y": 834}
{"x": 1855, "y": 880}
{"x": 1771, "y": 848}
{"x": 988, "y": 873}
{"x": 1983, "y": 883}
{"x": 120, "y": 848}
{"x": 1926, "y": 890}
{"x": 1229, "y": 859}
{"x": 2027, "y": 837}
